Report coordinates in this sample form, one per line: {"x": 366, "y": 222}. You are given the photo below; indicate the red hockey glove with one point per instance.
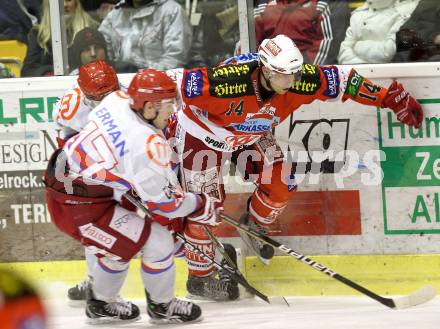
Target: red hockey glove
{"x": 207, "y": 213}
{"x": 407, "y": 109}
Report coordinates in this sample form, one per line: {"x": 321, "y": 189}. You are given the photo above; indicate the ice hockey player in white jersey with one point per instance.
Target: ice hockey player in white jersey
{"x": 122, "y": 150}
{"x": 95, "y": 81}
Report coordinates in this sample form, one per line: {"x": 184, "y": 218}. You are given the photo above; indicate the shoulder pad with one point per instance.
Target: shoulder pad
{"x": 231, "y": 80}
{"x": 310, "y": 81}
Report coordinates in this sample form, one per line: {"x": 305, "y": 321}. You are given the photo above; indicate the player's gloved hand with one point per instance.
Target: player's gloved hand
{"x": 407, "y": 109}
{"x": 208, "y": 211}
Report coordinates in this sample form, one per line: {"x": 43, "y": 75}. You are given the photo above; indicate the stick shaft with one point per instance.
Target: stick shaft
{"x": 308, "y": 261}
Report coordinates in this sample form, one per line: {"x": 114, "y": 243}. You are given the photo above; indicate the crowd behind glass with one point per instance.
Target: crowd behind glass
{"x": 166, "y": 34}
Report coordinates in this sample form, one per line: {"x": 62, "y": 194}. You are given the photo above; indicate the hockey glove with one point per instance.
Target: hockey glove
{"x": 407, "y": 109}
{"x": 207, "y": 213}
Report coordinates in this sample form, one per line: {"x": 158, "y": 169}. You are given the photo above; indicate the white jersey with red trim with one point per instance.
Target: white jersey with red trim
{"x": 72, "y": 110}
{"x": 120, "y": 150}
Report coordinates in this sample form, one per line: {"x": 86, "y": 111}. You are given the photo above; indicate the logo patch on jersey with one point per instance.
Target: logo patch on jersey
{"x": 218, "y": 145}
{"x": 229, "y": 81}
{"x": 158, "y": 150}
{"x": 225, "y": 90}
{"x": 310, "y": 81}
{"x": 353, "y": 83}
{"x": 230, "y": 71}
{"x": 254, "y": 126}
{"x": 332, "y": 78}
{"x": 236, "y": 141}
{"x": 193, "y": 85}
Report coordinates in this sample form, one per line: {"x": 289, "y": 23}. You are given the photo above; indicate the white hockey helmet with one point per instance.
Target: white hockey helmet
{"x": 280, "y": 54}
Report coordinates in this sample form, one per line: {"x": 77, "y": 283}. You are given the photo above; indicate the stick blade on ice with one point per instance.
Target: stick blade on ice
{"x": 279, "y": 300}
{"x": 418, "y": 297}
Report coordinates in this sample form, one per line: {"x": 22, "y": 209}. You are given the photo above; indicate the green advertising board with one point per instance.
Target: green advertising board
{"x": 411, "y": 168}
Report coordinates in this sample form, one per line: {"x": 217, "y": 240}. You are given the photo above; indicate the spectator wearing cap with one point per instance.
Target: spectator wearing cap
{"x": 88, "y": 46}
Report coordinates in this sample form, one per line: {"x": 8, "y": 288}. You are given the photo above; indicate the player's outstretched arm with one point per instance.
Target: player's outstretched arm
{"x": 395, "y": 97}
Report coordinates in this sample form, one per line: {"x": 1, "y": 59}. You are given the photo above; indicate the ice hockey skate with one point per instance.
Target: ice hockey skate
{"x": 260, "y": 249}
{"x": 77, "y": 295}
{"x": 175, "y": 311}
{"x": 115, "y": 311}
{"x": 218, "y": 286}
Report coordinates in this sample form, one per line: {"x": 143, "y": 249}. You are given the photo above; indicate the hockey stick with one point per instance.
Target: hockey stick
{"x": 219, "y": 246}
{"x": 418, "y": 297}
{"x": 238, "y": 278}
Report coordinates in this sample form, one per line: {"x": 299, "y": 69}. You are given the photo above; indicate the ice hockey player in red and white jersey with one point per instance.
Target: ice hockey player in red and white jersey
{"x": 95, "y": 81}
{"x": 231, "y": 109}
{"x": 122, "y": 150}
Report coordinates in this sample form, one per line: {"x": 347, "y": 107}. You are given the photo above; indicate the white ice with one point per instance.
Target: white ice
{"x": 251, "y": 313}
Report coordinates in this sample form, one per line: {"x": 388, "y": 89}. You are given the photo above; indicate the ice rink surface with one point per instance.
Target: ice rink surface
{"x": 251, "y": 313}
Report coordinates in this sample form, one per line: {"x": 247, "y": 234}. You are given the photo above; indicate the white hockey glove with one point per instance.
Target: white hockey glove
{"x": 208, "y": 212}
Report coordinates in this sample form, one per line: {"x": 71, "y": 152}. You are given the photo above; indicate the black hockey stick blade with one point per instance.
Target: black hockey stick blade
{"x": 420, "y": 296}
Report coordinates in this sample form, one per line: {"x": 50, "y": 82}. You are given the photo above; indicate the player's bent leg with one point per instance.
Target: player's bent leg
{"x": 203, "y": 280}
{"x": 158, "y": 275}
{"x": 115, "y": 238}
{"x": 266, "y": 205}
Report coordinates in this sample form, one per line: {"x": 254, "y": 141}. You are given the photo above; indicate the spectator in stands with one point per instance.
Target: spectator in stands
{"x": 17, "y": 18}
{"x": 99, "y": 8}
{"x": 88, "y": 46}
{"x": 104, "y": 8}
{"x": 39, "y": 60}
{"x": 147, "y": 33}
{"x": 307, "y": 22}
{"x": 419, "y": 38}
{"x": 371, "y": 36}
{"x": 216, "y": 33}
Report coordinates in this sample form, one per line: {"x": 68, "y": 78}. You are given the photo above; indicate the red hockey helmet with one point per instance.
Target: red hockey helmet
{"x": 97, "y": 79}
{"x": 149, "y": 85}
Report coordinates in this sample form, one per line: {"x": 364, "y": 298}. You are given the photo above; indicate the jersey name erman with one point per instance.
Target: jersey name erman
{"x": 113, "y": 130}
